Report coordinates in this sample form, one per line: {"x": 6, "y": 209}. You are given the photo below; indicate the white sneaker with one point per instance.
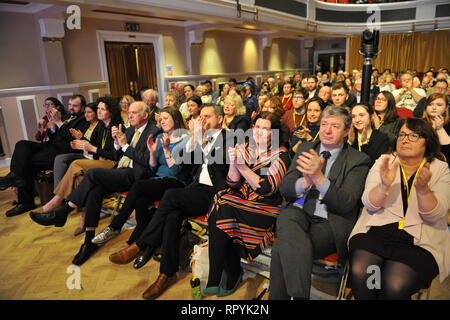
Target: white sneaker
{"x": 104, "y": 236}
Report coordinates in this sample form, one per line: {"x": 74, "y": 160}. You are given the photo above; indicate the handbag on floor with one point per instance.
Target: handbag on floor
{"x": 200, "y": 263}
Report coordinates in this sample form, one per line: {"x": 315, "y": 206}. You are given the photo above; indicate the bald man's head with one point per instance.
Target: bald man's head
{"x": 138, "y": 114}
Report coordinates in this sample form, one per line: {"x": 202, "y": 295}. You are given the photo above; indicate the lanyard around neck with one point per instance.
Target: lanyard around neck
{"x": 359, "y": 140}
{"x": 301, "y": 122}
{"x": 405, "y": 178}
{"x": 317, "y": 134}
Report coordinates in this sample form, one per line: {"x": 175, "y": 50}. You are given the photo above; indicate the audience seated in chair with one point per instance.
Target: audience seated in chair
{"x": 308, "y": 130}
{"x": 167, "y": 173}
{"x": 322, "y": 196}
{"x": 287, "y": 96}
{"x": 235, "y": 114}
{"x": 407, "y": 97}
{"x": 88, "y": 132}
{"x": 325, "y": 94}
{"x": 296, "y": 116}
{"x": 437, "y": 115}
{"x": 242, "y": 217}
{"x": 171, "y": 99}
{"x": 312, "y": 86}
{"x": 403, "y": 227}
{"x": 440, "y": 86}
{"x": 363, "y": 137}
{"x": 208, "y": 143}
{"x": 341, "y": 97}
{"x": 125, "y": 103}
{"x": 133, "y": 164}
{"x": 44, "y": 124}
{"x": 98, "y": 151}
{"x": 385, "y": 117}
{"x": 189, "y": 92}
{"x": 150, "y": 98}
{"x": 29, "y": 157}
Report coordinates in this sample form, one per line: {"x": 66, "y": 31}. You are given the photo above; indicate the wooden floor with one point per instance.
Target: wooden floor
{"x": 34, "y": 261}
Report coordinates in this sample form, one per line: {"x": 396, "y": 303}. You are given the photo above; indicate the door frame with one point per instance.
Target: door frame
{"x": 118, "y": 36}
{"x": 326, "y": 51}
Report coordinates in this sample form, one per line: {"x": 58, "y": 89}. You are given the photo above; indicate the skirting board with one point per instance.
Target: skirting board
{"x": 5, "y": 162}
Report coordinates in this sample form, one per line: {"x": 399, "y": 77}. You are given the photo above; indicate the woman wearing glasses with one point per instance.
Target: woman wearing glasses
{"x": 124, "y": 105}
{"x": 45, "y": 124}
{"x": 437, "y": 114}
{"x": 402, "y": 231}
{"x": 385, "y": 117}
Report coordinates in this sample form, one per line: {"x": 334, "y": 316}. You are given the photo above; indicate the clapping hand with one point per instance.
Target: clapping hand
{"x": 165, "y": 141}
{"x": 232, "y": 155}
{"x": 118, "y": 136}
{"x": 423, "y": 177}
{"x": 78, "y": 144}
{"x": 310, "y": 163}
{"x": 387, "y": 173}
{"x": 42, "y": 125}
{"x": 54, "y": 115}
{"x": 77, "y": 134}
{"x": 151, "y": 145}
{"x": 196, "y": 130}
{"x": 303, "y": 134}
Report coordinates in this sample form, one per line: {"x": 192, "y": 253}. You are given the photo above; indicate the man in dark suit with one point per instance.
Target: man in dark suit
{"x": 209, "y": 157}
{"x": 322, "y": 196}
{"x": 30, "y": 157}
{"x": 133, "y": 157}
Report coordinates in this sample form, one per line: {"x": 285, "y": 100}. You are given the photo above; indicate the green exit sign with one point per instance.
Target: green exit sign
{"x": 131, "y": 26}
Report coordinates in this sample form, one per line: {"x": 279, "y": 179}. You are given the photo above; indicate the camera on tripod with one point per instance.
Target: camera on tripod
{"x": 369, "y": 49}
{"x": 369, "y": 44}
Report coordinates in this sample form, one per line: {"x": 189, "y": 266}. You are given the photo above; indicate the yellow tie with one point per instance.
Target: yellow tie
{"x": 126, "y": 161}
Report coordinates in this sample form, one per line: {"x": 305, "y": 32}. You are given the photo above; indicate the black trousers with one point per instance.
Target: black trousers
{"x": 301, "y": 239}
{"x": 164, "y": 228}
{"x": 28, "y": 158}
{"x": 142, "y": 194}
{"x": 96, "y": 185}
{"x": 224, "y": 255}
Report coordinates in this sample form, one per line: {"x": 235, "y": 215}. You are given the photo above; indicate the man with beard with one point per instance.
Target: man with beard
{"x": 30, "y": 157}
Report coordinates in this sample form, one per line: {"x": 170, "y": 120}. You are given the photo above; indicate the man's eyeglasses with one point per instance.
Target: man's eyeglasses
{"x": 413, "y": 137}
{"x": 48, "y": 105}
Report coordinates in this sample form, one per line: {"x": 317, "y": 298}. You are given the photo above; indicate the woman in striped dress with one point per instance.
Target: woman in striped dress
{"x": 241, "y": 218}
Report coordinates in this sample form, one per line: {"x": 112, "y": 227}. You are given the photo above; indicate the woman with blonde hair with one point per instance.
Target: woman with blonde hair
{"x": 234, "y": 110}
{"x": 125, "y": 103}
{"x": 171, "y": 99}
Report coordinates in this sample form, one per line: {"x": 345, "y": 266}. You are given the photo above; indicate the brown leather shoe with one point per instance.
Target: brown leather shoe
{"x": 159, "y": 286}
{"x": 126, "y": 255}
